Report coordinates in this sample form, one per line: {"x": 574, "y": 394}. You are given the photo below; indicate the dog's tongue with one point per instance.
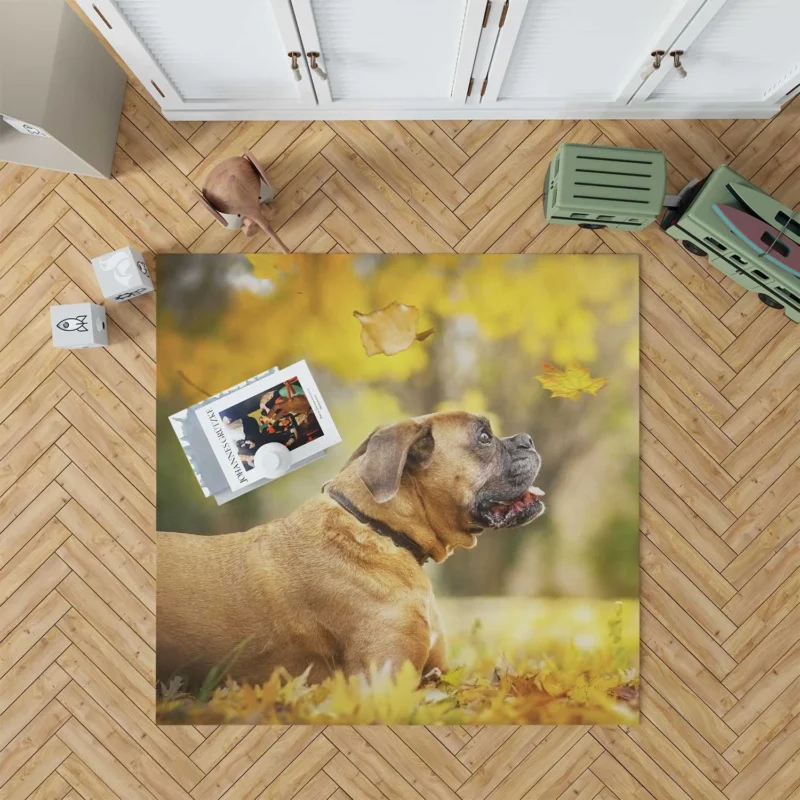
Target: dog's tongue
{"x": 530, "y": 495}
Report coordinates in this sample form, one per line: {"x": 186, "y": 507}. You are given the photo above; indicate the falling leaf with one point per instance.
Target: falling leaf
{"x": 390, "y": 330}
{"x": 570, "y": 382}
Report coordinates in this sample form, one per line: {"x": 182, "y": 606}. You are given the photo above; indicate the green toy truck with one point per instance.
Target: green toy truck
{"x": 605, "y": 187}
{"x": 622, "y": 188}
{"x": 696, "y": 225}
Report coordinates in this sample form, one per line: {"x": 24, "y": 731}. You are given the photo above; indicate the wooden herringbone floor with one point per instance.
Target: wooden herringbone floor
{"x": 720, "y": 548}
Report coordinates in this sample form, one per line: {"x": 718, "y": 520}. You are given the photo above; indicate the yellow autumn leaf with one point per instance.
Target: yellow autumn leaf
{"x": 395, "y": 698}
{"x": 391, "y": 329}
{"x": 453, "y": 677}
{"x": 343, "y": 698}
{"x": 570, "y": 382}
{"x": 552, "y": 678}
{"x": 294, "y": 688}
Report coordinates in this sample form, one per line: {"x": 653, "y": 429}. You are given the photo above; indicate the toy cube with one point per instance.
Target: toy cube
{"x": 122, "y": 274}
{"x": 78, "y": 325}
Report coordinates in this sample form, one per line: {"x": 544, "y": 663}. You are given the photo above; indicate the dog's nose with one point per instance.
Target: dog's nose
{"x": 523, "y": 441}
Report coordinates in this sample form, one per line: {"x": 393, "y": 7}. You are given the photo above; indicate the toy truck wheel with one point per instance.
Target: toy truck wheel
{"x": 592, "y": 226}
{"x": 546, "y": 185}
{"x": 769, "y": 301}
{"x": 693, "y": 248}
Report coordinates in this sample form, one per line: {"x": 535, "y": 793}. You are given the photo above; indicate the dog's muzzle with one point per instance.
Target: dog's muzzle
{"x": 513, "y": 499}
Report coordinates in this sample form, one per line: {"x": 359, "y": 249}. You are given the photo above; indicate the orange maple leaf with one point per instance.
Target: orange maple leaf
{"x": 570, "y": 382}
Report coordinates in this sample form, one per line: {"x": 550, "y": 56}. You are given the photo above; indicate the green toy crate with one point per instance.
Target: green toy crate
{"x": 605, "y": 187}
{"x": 702, "y": 232}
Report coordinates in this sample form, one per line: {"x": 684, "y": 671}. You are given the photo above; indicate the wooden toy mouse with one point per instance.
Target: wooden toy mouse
{"x": 233, "y": 194}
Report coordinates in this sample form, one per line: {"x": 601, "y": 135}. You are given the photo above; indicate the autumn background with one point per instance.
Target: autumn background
{"x": 542, "y": 621}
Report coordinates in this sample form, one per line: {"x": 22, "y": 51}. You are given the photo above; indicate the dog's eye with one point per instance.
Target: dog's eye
{"x": 484, "y": 437}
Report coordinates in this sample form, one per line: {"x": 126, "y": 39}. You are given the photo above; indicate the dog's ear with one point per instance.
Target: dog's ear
{"x": 386, "y": 452}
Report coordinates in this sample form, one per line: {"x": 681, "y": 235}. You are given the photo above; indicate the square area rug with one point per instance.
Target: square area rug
{"x": 398, "y": 489}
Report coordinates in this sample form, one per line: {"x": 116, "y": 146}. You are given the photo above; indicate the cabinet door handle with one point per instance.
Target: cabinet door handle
{"x": 312, "y": 57}
{"x": 295, "y": 67}
{"x": 676, "y": 60}
{"x": 657, "y": 56}
{"x": 100, "y": 14}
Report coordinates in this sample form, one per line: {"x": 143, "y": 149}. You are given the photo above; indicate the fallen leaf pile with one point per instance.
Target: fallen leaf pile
{"x": 564, "y": 682}
{"x": 570, "y": 382}
{"x": 390, "y": 330}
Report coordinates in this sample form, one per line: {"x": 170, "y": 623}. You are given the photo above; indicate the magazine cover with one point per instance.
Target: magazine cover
{"x": 284, "y": 407}
{"x": 467, "y": 554}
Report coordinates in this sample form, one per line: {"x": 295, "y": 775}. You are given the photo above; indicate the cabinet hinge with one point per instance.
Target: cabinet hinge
{"x": 483, "y": 88}
{"x": 503, "y": 15}
{"x": 486, "y": 13}
{"x": 469, "y": 87}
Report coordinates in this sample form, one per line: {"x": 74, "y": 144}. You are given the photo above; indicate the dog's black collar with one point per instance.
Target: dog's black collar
{"x": 398, "y": 537}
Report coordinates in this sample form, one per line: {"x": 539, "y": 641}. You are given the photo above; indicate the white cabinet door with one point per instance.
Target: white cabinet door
{"x": 744, "y": 51}
{"x": 378, "y": 54}
{"x": 578, "y": 52}
{"x": 430, "y": 59}
{"x": 208, "y": 54}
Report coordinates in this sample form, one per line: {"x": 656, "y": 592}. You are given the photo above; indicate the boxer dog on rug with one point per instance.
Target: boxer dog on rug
{"x": 338, "y": 583}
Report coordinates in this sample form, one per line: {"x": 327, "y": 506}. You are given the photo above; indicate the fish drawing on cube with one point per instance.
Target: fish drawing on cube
{"x": 78, "y": 325}
{"x": 122, "y": 274}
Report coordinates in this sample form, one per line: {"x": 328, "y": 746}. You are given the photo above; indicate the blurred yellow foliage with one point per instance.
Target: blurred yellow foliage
{"x": 554, "y": 305}
{"x": 477, "y": 402}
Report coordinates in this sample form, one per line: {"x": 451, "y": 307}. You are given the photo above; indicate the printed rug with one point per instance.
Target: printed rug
{"x": 398, "y": 489}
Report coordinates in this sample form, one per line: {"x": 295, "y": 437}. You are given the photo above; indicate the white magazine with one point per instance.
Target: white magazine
{"x": 285, "y": 406}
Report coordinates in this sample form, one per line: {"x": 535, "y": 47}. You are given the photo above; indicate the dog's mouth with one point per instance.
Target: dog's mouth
{"x": 511, "y": 513}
